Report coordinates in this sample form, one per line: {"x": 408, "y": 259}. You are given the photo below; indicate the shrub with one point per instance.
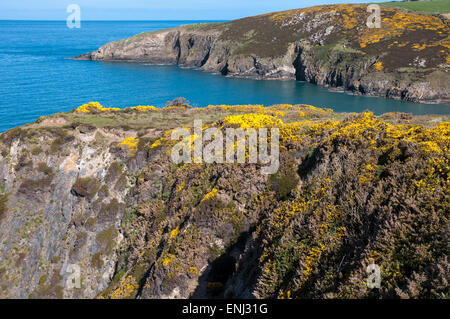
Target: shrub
{"x": 86, "y": 187}
{"x": 106, "y": 239}
{"x": 113, "y": 172}
{"x": 3, "y": 205}
{"x": 44, "y": 168}
{"x": 43, "y": 279}
{"x": 285, "y": 180}
{"x": 62, "y": 137}
{"x": 96, "y": 260}
{"x": 31, "y": 185}
{"x": 23, "y": 162}
{"x": 36, "y": 150}
{"x": 90, "y": 222}
{"x": 108, "y": 212}
{"x": 178, "y": 102}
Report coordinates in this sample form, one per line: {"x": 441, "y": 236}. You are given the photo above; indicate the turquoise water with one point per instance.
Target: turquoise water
{"x": 36, "y": 79}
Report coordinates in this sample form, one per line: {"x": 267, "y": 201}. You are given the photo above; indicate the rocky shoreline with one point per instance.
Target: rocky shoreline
{"x": 312, "y": 45}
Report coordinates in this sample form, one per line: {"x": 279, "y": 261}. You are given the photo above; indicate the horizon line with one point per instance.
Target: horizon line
{"x": 96, "y": 20}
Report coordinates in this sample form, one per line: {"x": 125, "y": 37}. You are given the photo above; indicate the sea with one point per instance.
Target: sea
{"x": 37, "y": 78}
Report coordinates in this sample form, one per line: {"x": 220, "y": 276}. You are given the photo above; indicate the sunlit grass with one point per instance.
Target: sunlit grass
{"x": 440, "y": 6}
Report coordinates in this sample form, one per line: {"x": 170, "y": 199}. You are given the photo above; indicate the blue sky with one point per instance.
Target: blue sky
{"x": 151, "y": 9}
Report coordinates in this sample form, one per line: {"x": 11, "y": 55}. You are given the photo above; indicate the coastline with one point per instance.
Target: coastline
{"x": 87, "y": 57}
{"x": 293, "y": 45}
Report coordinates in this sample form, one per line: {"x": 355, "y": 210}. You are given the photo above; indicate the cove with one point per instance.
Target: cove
{"x": 37, "y": 79}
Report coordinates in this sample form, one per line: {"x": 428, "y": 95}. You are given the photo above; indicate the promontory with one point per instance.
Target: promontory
{"x": 407, "y": 58}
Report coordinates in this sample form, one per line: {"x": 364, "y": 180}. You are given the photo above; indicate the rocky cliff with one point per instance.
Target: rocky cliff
{"x": 407, "y": 58}
{"x": 95, "y": 189}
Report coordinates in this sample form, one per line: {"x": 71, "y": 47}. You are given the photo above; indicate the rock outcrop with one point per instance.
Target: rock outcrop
{"x": 408, "y": 58}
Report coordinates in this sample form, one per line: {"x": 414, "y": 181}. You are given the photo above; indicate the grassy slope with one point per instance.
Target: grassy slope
{"x": 169, "y": 118}
{"x": 440, "y": 6}
{"x": 402, "y": 38}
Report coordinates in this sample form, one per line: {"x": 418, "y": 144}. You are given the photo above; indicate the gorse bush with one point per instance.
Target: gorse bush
{"x": 348, "y": 194}
{"x": 374, "y": 193}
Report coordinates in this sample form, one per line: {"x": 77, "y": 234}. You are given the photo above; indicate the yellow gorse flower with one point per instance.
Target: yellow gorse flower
{"x": 174, "y": 233}
{"x": 211, "y": 194}
{"x": 131, "y": 143}
{"x": 193, "y": 270}
{"x": 142, "y": 108}
{"x": 126, "y": 288}
{"x": 378, "y": 66}
{"x": 94, "y": 106}
{"x": 168, "y": 259}
{"x": 254, "y": 120}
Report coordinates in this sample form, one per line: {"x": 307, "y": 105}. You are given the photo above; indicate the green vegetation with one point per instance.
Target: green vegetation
{"x": 136, "y": 120}
{"x": 62, "y": 137}
{"x": 106, "y": 239}
{"x": 321, "y": 219}
{"x": 215, "y": 251}
{"x": 109, "y": 211}
{"x": 52, "y": 289}
{"x": 285, "y": 180}
{"x": 3, "y": 205}
{"x": 433, "y": 6}
{"x": 44, "y": 168}
{"x": 36, "y": 150}
{"x": 90, "y": 222}
{"x": 351, "y": 189}
{"x": 29, "y": 186}
{"x": 96, "y": 260}
{"x": 43, "y": 279}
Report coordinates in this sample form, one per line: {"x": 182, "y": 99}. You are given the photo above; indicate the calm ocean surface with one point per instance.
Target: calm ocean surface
{"x": 36, "y": 79}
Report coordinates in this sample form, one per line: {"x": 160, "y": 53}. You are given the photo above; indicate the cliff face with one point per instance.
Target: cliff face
{"x": 66, "y": 200}
{"x": 96, "y": 188}
{"x": 328, "y": 45}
